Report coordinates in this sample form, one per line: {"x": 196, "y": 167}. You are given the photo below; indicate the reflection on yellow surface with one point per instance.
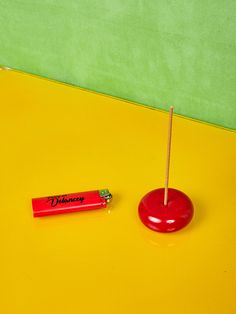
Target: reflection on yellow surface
{"x": 59, "y": 139}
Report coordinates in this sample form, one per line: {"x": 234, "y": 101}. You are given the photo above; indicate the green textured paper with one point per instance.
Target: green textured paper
{"x": 157, "y": 53}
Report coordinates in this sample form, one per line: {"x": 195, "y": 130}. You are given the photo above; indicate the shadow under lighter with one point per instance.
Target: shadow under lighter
{"x": 67, "y": 203}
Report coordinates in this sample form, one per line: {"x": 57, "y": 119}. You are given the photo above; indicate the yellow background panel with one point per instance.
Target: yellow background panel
{"x": 59, "y": 139}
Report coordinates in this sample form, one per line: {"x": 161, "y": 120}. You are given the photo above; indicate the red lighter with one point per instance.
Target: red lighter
{"x": 67, "y": 203}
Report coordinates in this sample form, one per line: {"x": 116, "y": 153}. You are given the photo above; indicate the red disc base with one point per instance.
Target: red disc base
{"x": 174, "y": 216}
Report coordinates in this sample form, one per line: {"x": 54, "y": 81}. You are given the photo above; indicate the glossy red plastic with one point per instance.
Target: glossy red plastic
{"x": 174, "y": 216}
{"x": 67, "y": 203}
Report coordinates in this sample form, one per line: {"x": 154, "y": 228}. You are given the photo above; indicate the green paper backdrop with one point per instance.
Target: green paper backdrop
{"x": 157, "y": 53}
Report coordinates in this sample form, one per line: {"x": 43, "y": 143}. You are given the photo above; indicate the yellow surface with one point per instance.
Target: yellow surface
{"x": 59, "y": 139}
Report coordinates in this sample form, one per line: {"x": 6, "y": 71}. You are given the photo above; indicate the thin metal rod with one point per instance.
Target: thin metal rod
{"x": 168, "y": 155}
